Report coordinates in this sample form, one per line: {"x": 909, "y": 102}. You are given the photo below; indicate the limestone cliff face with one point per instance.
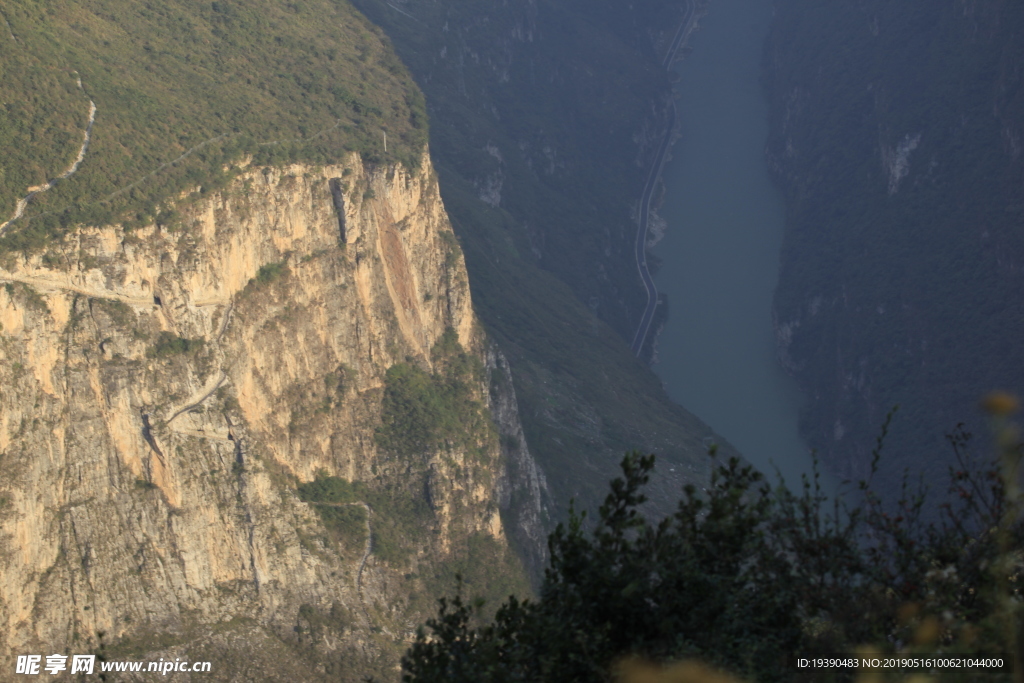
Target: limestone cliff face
{"x": 165, "y": 390}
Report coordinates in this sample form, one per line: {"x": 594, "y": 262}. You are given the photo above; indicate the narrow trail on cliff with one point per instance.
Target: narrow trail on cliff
{"x": 225, "y": 319}
{"x": 164, "y": 165}
{"x": 203, "y": 394}
{"x": 206, "y": 142}
{"x": 403, "y": 12}
{"x": 53, "y": 283}
{"x": 23, "y": 203}
{"x": 367, "y": 549}
{"x": 33, "y": 191}
{"x": 10, "y": 31}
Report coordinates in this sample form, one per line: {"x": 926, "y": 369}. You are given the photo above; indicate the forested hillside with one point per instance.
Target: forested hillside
{"x": 181, "y": 90}
{"x": 896, "y": 134}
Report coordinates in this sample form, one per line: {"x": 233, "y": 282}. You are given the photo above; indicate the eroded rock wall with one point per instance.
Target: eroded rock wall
{"x": 166, "y": 389}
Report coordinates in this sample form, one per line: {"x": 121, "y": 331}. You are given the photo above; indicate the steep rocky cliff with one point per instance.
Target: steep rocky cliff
{"x": 170, "y": 391}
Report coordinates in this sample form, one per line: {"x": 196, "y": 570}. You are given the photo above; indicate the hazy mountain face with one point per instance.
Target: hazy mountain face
{"x": 897, "y": 137}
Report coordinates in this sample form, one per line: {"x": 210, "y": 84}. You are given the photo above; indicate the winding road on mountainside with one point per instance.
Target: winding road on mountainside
{"x": 640, "y": 248}
{"x": 33, "y": 191}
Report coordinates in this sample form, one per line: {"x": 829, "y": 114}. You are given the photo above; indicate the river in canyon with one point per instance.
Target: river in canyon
{"x": 720, "y": 252}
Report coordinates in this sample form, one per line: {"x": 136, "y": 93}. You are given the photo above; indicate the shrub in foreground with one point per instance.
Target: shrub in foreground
{"x": 746, "y": 576}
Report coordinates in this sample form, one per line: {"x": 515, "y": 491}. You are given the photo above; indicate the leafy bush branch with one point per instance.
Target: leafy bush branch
{"x": 746, "y": 576}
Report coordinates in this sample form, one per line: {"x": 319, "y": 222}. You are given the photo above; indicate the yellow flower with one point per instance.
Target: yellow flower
{"x": 1000, "y": 403}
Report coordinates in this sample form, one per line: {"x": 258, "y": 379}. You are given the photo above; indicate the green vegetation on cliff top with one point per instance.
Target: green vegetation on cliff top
{"x": 182, "y": 90}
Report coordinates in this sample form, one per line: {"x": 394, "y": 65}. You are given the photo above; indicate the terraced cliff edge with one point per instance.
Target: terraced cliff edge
{"x": 169, "y": 393}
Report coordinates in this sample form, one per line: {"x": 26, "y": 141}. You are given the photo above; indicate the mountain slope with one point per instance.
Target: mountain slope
{"x": 896, "y": 135}
{"x": 182, "y": 90}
